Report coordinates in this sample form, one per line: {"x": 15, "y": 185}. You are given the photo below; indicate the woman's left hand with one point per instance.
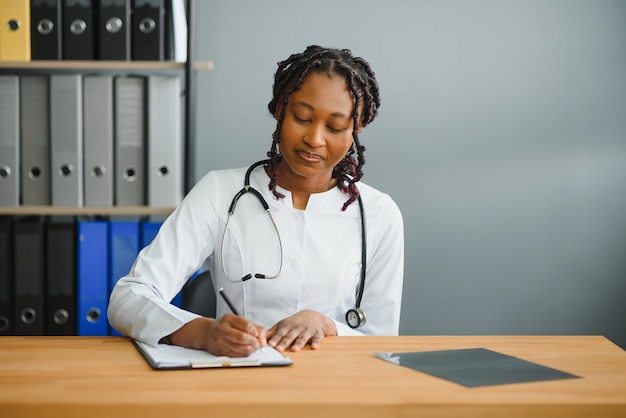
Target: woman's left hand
{"x": 296, "y": 331}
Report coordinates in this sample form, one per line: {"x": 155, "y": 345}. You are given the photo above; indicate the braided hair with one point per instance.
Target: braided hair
{"x": 363, "y": 87}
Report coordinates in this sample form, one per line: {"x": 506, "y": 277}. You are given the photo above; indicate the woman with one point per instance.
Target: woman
{"x": 308, "y": 246}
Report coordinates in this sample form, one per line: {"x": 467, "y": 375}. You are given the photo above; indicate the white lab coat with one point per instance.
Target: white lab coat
{"x": 321, "y": 266}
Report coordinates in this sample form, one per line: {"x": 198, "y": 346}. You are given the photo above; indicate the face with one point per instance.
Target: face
{"x": 316, "y": 132}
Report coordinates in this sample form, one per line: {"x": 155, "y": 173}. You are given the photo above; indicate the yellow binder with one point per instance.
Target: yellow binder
{"x": 14, "y": 30}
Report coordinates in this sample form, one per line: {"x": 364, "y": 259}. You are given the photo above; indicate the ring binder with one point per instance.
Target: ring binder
{"x": 6, "y": 276}
{"x": 130, "y": 140}
{"x": 77, "y": 35}
{"x": 45, "y": 29}
{"x": 35, "y": 125}
{"x": 9, "y": 140}
{"x": 147, "y": 35}
{"x": 113, "y": 31}
{"x": 98, "y": 139}
{"x": 92, "y": 277}
{"x": 66, "y": 139}
{"x": 60, "y": 257}
{"x": 14, "y": 30}
{"x": 28, "y": 261}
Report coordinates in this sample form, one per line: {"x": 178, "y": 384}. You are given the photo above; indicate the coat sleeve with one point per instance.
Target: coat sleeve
{"x": 139, "y": 305}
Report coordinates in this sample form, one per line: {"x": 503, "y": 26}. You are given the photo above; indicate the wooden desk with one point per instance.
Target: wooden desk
{"x": 107, "y": 377}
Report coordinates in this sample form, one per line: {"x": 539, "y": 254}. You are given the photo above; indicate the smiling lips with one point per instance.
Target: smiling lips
{"x": 308, "y": 156}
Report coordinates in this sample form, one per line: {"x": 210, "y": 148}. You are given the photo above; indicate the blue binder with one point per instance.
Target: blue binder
{"x": 124, "y": 247}
{"x": 93, "y": 277}
{"x": 149, "y": 230}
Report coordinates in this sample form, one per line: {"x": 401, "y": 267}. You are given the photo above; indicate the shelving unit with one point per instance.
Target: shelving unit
{"x": 50, "y": 264}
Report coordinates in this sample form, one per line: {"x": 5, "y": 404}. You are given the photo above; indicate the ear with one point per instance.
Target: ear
{"x": 279, "y": 106}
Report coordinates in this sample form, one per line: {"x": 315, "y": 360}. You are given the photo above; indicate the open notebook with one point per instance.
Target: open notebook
{"x": 165, "y": 356}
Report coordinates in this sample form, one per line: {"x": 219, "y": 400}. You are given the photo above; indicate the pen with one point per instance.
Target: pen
{"x": 228, "y": 302}
{"x": 232, "y": 308}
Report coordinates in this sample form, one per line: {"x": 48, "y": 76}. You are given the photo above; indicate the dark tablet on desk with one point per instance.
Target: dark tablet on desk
{"x": 475, "y": 367}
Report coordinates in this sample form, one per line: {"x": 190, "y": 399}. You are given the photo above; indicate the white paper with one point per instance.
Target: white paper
{"x": 171, "y": 356}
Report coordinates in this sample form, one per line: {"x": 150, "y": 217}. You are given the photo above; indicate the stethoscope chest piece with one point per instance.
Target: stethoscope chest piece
{"x": 355, "y": 317}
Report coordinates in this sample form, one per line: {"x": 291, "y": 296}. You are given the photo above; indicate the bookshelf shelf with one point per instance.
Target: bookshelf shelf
{"x": 85, "y": 211}
{"x": 102, "y": 65}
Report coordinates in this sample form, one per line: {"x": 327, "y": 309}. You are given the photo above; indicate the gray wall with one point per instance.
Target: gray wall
{"x": 502, "y": 137}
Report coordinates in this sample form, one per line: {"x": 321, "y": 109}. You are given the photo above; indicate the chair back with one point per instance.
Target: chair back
{"x": 199, "y": 295}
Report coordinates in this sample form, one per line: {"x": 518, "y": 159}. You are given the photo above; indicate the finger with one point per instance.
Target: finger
{"x": 316, "y": 341}
{"x": 299, "y": 342}
{"x": 274, "y": 335}
{"x": 244, "y": 325}
{"x": 279, "y": 340}
{"x": 290, "y": 337}
{"x": 238, "y": 350}
{"x": 230, "y": 344}
{"x": 238, "y": 331}
{"x": 262, "y": 336}
{"x": 270, "y": 333}
{"x": 223, "y": 343}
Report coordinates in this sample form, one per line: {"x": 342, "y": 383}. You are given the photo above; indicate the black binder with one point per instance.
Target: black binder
{"x": 113, "y": 30}
{"x": 45, "y": 32}
{"x": 147, "y": 34}
{"x": 28, "y": 271}
{"x": 6, "y": 277}
{"x": 168, "y": 31}
{"x": 60, "y": 278}
{"x": 78, "y": 33}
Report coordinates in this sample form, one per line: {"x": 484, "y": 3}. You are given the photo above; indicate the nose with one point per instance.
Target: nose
{"x": 314, "y": 136}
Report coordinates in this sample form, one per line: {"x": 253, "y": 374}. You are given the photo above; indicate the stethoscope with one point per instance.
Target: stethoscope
{"x": 355, "y": 317}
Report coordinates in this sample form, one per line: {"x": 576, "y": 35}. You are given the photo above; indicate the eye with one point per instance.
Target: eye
{"x": 335, "y": 130}
{"x": 300, "y": 120}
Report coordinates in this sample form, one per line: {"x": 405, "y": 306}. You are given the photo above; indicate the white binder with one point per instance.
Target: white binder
{"x": 9, "y": 140}
{"x": 98, "y": 139}
{"x": 66, "y": 139}
{"x": 35, "y": 124}
{"x": 130, "y": 176}
{"x": 179, "y": 30}
{"x": 164, "y": 141}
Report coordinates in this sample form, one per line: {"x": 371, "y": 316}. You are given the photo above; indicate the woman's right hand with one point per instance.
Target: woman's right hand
{"x": 230, "y": 335}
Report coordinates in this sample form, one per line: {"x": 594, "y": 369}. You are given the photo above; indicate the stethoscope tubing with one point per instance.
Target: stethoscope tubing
{"x": 231, "y": 210}
{"x": 249, "y": 189}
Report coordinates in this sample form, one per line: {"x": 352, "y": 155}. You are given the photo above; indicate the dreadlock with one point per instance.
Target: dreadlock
{"x": 364, "y": 89}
